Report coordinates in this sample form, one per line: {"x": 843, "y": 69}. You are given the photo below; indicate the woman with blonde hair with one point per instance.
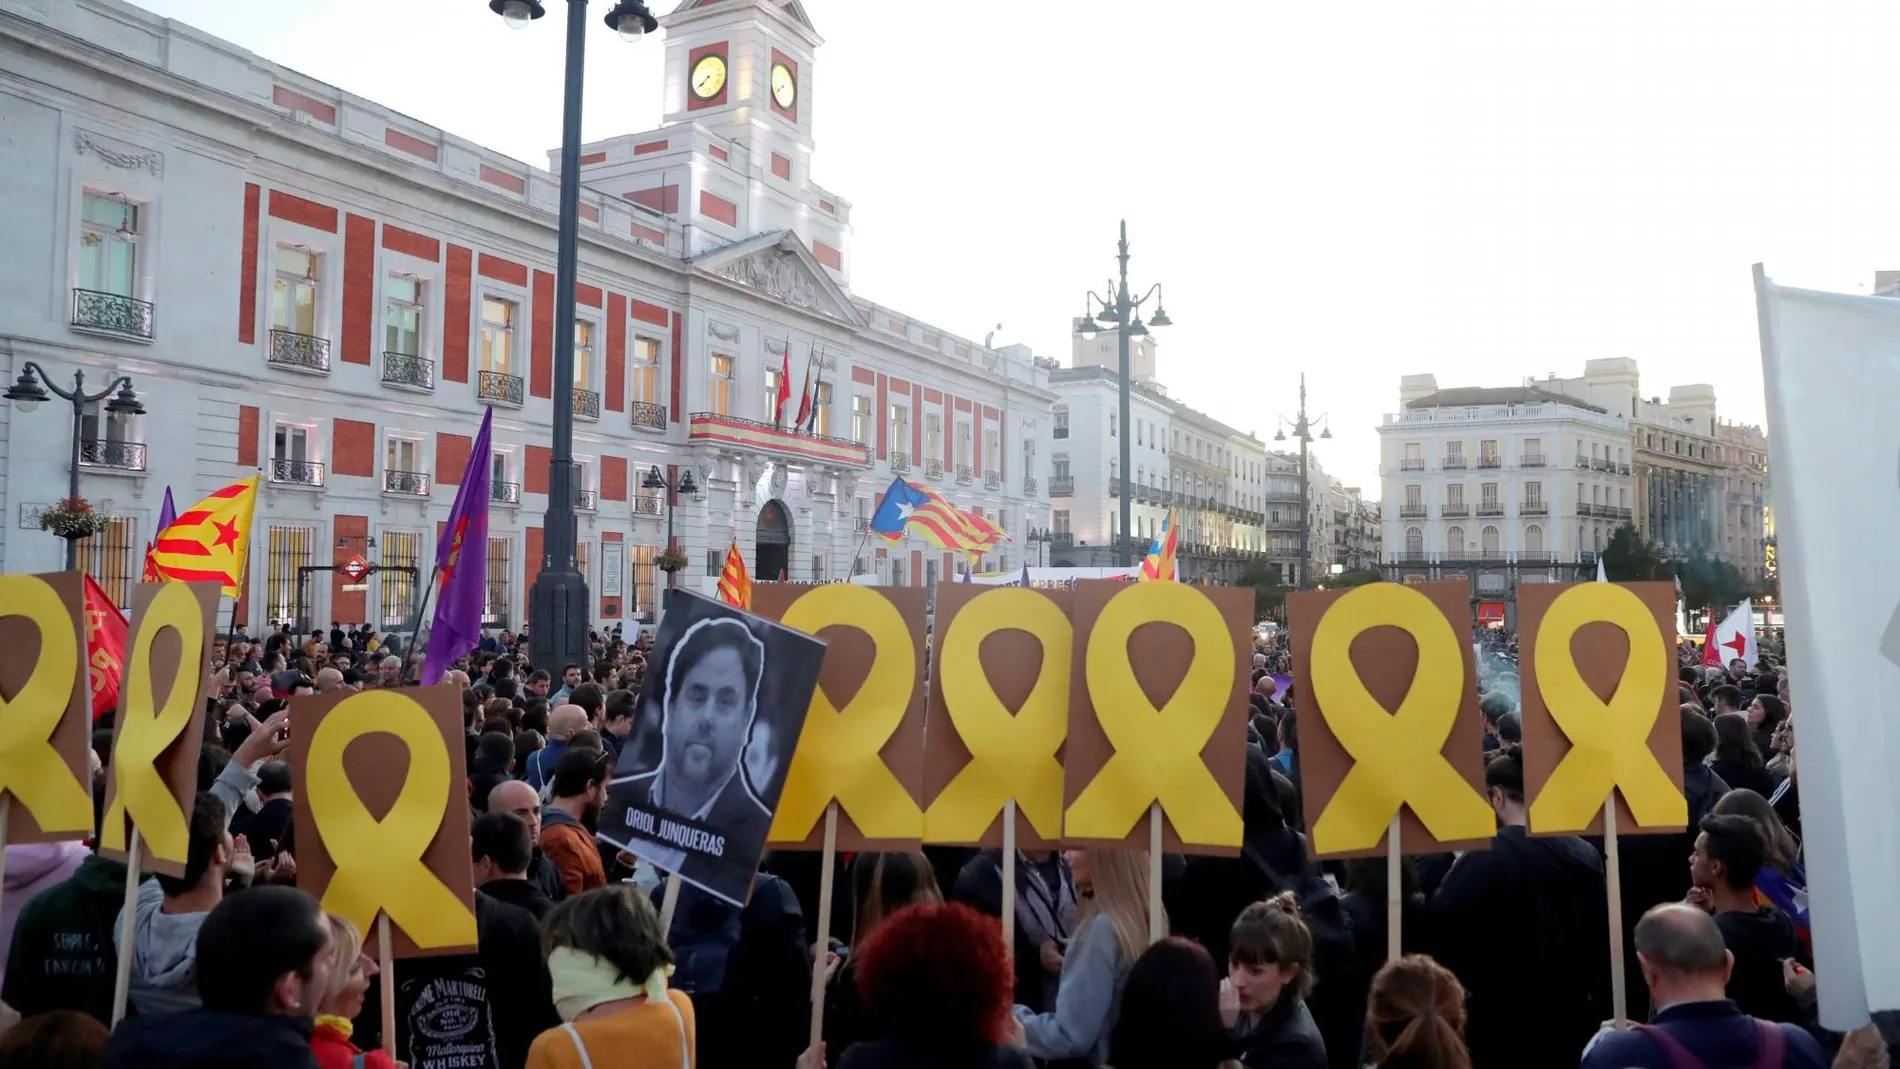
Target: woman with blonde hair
{"x": 342, "y": 1000}
{"x": 1415, "y": 1017}
{"x": 609, "y": 962}
{"x": 1111, "y": 931}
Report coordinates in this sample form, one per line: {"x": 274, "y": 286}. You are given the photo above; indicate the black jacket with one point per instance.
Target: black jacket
{"x": 270, "y": 824}
{"x": 202, "y": 1039}
{"x": 522, "y": 893}
{"x": 62, "y": 957}
{"x": 1760, "y": 939}
{"x": 902, "y": 1054}
{"x": 544, "y": 875}
{"x": 1656, "y": 870}
{"x": 752, "y": 1005}
{"x": 1716, "y": 1033}
{"x": 1286, "y": 1038}
{"x": 1526, "y": 900}
{"x": 979, "y": 885}
{"x": 1739, "y": 776}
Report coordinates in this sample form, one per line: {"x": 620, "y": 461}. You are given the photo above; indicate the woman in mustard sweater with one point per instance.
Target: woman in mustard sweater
{"x": 609, "y": 962}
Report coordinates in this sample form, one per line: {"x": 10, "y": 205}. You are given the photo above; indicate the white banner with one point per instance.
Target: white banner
{"x": 613, "y": 561}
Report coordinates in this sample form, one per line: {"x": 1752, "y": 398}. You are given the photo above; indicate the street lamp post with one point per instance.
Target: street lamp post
{"x": 1116, "y": 309}
{"x": 35, "y": 385}
{"x": 558, "y": 614}
{"x": 655, "y": 481}
{"x": 1041, "y": 536}
{"x": 1303, "y": 430}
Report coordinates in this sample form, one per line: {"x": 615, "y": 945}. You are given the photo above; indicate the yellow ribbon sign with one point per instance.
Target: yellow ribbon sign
{"x": 1396, "y": 757}
{"x": 30, "y": 768}
{"x": 1157, "y": 751}
{"x": 838, "y": 749}
{"x": 1609, "y": 741}
{"x": 147, "y": 727}
{"x": 1010, "y": 756}
{"x": 379, "y": 864}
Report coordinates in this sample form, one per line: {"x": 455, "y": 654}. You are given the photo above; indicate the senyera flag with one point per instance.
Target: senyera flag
{"x": 1160, "y": 563}
{"x": 461, "y": 564}
{"x": 735, "y": 584}
{"x": 105, "y": 648}
{"x": 210, "y": 540}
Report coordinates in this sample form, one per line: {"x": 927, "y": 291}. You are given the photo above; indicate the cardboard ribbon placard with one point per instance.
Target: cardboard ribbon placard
{"x": 1396, "y": 754}
{"x": 839, "y": 749}
{"x": 1011, "y": 755}
{"x": 154, "y": 751}
{"x": 379, "y": 863}
{"x": 1157, "y": 751}
{"x": 32, "y": 769}
{"x": 1609, "y": 740}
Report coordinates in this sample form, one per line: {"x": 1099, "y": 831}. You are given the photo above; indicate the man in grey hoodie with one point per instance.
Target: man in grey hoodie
{"x": 171, "y": 909}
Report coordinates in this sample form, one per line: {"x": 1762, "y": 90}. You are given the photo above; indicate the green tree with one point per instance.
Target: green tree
{"x": 1628, "y": 557}
{"x": 1711, "y": 584}
{"x": 1268, "y": 594}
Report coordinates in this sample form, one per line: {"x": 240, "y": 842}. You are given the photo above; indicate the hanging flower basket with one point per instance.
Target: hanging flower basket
{"x": 672, "y": 560}
{"x": 72, "y": 518}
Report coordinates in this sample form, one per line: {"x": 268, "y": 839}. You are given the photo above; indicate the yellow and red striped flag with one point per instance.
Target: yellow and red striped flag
{"x": 210, "y": 540}
{"x": 1160, "y": 563}
{"x": 938, "y": 522}
{"x": 735, "y": 584}
{"x": 987, "y": 532}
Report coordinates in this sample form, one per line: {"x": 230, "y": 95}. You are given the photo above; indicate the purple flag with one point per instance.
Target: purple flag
{"x": 167, "y": 513}
{"x": 461, "y": 565}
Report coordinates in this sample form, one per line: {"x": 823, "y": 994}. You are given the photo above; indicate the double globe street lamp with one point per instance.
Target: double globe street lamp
{"x": 1116, "y": 310}
{"x": 35, "y": 385}
{"x": 1303, "y": 430}
{"x": 558, "y": 603}
{"x": 655, "y": 481}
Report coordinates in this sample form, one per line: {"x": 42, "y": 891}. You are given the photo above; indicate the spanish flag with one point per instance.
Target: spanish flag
{"x": 210, "y": 540}
{"x": 735, "y": 586}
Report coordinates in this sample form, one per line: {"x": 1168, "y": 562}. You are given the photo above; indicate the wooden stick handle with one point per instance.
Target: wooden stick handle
{"x": 823, "y": 946}
{"x": 1157, "y": 913}
{"x": 1394, "y": 891}
{"x": 386, "y": 963}
{"x": 128, "y": 919}
{"x": 1613, "y": 884}
{"x": 669, "y": 901}
{"x": 1009, "y": 876}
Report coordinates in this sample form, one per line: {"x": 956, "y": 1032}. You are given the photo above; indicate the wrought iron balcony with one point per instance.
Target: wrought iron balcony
{"x": 406, "y": 371}
{"x": 1622, "y": 469}
{"x": 992, "y": 480}
{"x": 586, "y": 404}
{"x": 1410, "y": 512}
{"x": 498, "y": 387}
{"x": 1114, "y": 488}
{"x": 964, "y": 475}
{"x": 1029, "y": 486}
{"x": 112, "y": 313}
{"x": 784, "y": 443}
{"x": 1451, "y": 512}
{"x": 1491, "y": 462}
{"x": 296, "y": 472}
{"x": 1531, "y": 460}
{"x": 900, "y": 463}
{"x": 1583, "y": 463}
{"x": 412, "y": 483}
{"x": 933, "y": 468}
{"x": 587, "y": 500}
{"x": 1533, "y": 508}
{"x": 647, "y": 416}
{"x": 301, "y": 352}
{"x": 1490, "y": 508}
{"x": 119, "y": 456}
{"x": 1411, "y": 464}
{"x": 1062, "y": 486}
{"x": 505, "y": 493}
{"x": 1454, "y": 463}
{"x": 647, "y": 504}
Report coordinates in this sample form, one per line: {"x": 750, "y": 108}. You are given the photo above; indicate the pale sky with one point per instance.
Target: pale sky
{"x": 1481, "y": 189}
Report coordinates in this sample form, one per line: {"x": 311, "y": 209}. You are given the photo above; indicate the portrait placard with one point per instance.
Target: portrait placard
{"x": 862, "y": 743}
{"x": 1157, "y": 713}
{"x": 381, "y": 813}
{"x": 999, "y": 715}
{"x": 1598, "y": 668}
{"x": 1388, "y": 719}
{"x": 45, "y": 707}
{"x": 153, "y": 780}
{"x": 729, "y": 691}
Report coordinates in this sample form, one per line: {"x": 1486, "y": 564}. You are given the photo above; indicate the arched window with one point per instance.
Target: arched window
{"x": 1596, "y": 536}
{"x": 1455, "y": 542}
{"x": 1490, "y": 539}
{"x": 1414, "y": 542}
{"x": 1533, "y": 539}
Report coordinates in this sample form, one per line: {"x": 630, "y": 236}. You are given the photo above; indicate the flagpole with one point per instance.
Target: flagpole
{"x": 409, "y": 653}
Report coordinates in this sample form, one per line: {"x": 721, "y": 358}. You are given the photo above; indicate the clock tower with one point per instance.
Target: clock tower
{"x": 743, "y": 69}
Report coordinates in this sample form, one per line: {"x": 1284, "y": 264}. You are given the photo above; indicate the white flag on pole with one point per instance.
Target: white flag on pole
{"x": 1601, "y": 577}
{"x": 1735, "y": 636}
{"x": 1833, "y": 385}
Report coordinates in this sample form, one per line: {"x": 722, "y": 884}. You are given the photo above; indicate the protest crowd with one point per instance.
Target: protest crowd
{"x": 1273, "y": 961}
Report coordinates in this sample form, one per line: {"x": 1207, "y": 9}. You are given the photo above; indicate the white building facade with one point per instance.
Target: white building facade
{"x": 1498, "y": 486}
{"x": 307, "y": 286}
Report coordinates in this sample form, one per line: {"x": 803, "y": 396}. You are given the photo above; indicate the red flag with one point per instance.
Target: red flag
{"x": 105, "y": 648}
{"x": 804, "y": 400}
{"x": 784, "y": 388}
{"x": 1709, "y": 654}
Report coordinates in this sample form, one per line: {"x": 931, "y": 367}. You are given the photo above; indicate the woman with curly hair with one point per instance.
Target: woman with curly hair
{"x": 1415, "y": 1017}
{"x": 935, "y": 982}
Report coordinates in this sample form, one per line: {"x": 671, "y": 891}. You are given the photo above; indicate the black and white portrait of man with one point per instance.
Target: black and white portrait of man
{"x": 728, "y": 692}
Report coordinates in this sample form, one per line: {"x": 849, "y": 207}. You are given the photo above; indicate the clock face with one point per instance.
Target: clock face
{"x": 709, "y": 77}
{"x": 784, "y": 86}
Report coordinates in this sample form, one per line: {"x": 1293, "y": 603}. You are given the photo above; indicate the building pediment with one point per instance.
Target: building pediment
{"x": 779, "y": 266}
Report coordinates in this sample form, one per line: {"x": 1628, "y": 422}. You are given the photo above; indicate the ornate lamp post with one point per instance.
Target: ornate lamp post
{"x": 1303, "y": 430}
{"x": 35, "y": 385}
{"x": 1117, "y": 309}
{"x": 686, "y": 485}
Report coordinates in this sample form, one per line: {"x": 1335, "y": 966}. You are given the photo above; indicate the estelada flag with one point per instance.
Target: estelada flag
{"x": 210, "y": 540}
{"x": 1160, "y": 562}
{"x": 105, "y": 648}
{"x": 986, "y": 532}
{"x": 735, "y": 584}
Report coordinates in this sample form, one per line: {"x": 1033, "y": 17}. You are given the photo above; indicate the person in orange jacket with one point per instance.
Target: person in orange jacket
{"x": 580, "y": 790}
